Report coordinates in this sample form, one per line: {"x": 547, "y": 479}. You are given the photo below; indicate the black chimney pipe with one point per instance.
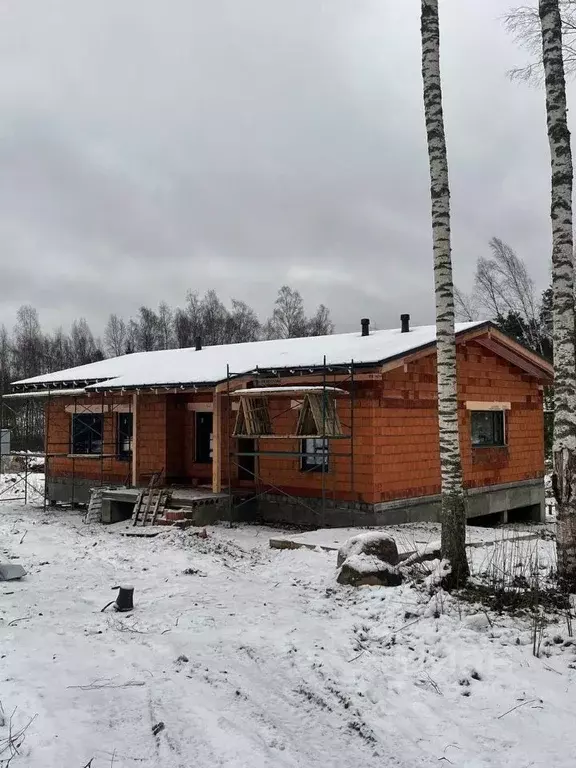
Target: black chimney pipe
{"x": 405, "y": 323}
{"x": 198, "y": 343}
{"x": 365, "y": 323}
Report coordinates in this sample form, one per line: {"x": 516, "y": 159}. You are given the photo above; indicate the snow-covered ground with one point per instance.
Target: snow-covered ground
{"x": 239, "y": 655}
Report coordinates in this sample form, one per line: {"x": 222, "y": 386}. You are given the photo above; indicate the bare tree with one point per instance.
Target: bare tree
{"x": 5, "y": 360}
{"x": 147, "y": 336}
{"x": 214, "y": 319}
{"x": 131, "y": 342}
{"x": 288, "y": 319}
{"x": 182, "y": 329}
{"x": 523, "y": 23}
{"x": 564, "y": 447}
{"x": 58, "y": 353}
{"x": 115, "y": 336}
{"x": 453, "y": 536}
{"x": 165, "y": 327}
{"x": 503, "y": 287}
{"x": 320, "y": 324}
{"x": 465, "y": 308}
{"x": 194, "y": 325}
{"x": 243, "y": 324}
{"x": 27, "y": 347}
{"x": 84, "y": 348}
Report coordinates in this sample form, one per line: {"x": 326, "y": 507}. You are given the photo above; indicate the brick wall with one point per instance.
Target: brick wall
{"x": 339, "y": 482}
{"x": 151, "y": 454}
{"x": 58, "y": 429}
{"x": 395, "y": 446}
{"x": 406, "y": 426}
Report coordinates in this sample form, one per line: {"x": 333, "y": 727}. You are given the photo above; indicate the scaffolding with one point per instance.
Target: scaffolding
{"x": 24, "y": 465}
{"x": 314, "y": 405}
{"x": 316, "y": 414}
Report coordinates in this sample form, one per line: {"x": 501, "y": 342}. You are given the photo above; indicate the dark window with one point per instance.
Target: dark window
{"x": 124, "y": 435}
{"x": 246, "y": 464}
{"x": 316, "y": 454}
{"x": 87, "y": 432}
{"x": 203, "y": 437}
{"x": 487, "y": 428}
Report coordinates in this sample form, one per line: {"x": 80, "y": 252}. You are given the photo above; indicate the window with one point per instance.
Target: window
{"x": 87, "y": 432}
{"x": 487, "y": 428}
{"x": 316, "y": 458}
{"x": 124, "y": 435}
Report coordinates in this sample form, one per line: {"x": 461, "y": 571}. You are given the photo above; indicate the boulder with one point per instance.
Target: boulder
{"x": 362, "y": 570}
{"x": 374, "y": 544}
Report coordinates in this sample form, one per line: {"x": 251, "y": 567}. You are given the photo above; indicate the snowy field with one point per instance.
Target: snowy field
{"x": 239, "y": 655}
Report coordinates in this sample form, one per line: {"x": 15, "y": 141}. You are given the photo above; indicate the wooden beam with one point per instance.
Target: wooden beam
{"x": 134, "y": 440}
{"x": 527, "y": 354}
{"x": 399, "y": 362}
{"x": 538, "y": 371}
{"x": 481, "y": 405}
{"x": 217, "y": 443}
{"x": 79, "y": 408}
{"x": 303, "y": 379}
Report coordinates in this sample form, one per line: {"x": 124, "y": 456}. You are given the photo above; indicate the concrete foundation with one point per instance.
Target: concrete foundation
{"x": 497, "y": 504}
{"x": 64, "y": 490}
{"x": 492, "y": 505}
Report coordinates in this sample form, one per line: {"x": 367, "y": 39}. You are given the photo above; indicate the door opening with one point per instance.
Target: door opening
{"x": 203, "y": 437}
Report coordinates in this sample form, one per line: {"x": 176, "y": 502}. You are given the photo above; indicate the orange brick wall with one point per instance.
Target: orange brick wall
{"x": 487, "y": 377}
{"x": 285, "y": 471}
{"x": 150, "y": 430}
{"x": 58, "y": 433}
{"x": 406, "y": 426}
{"x": 395, "y": 445}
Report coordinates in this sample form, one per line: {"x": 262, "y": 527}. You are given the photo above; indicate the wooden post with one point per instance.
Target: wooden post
{"x": 135, "y": 439}
{"x": 217, "y": 442}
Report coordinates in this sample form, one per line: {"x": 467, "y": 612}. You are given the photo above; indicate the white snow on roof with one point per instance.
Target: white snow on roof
{"x": 209, "y": 365}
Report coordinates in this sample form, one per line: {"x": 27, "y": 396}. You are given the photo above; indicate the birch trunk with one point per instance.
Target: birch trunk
{"x": 453, "y": 501}
{"x": 564, "y": 449}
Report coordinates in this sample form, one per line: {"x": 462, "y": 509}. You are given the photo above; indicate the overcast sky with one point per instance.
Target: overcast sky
{"x": 148, "y": 147}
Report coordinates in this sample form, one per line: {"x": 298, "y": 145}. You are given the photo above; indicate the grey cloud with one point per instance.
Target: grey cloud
{"x": 149, "y": 147}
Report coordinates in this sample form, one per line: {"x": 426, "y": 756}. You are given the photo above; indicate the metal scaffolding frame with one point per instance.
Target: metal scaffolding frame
{"x": 331, "y": 378}
{"x": 58, "y": 442}
{"x": 54, "y": 447}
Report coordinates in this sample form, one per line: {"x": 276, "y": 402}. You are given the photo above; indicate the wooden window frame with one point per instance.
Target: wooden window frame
{"x": 197, "y": 458}
{"x": 307, "y": 463}
{"x": 91, "y": 431}
{"x": 493, "y": 412}
{"x": 124, "y": 455}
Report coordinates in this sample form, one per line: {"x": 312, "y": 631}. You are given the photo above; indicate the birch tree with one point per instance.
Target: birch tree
{"x": 452, "y": 492}
{"x": 523, "y": 23}
{"x": 564, "y": 447}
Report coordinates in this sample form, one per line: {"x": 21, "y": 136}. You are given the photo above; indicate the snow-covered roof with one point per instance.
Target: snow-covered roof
{"x": 210, "y": 364}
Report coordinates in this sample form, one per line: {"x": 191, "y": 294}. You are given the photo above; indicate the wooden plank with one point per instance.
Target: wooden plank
{"x": 217, "y": 444}
{"x": 156, "y": 507}
{"x": 539, "y": 372}
{"x": 288, "y": 544}
{"x": 79, "y": 408}
{"x": 134, "y": 440}
{"x": 479, "y": 405}
{"x": 161, "y": 506}
{"x": 137, "y": 506}
{"x": 148, "y": 506}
